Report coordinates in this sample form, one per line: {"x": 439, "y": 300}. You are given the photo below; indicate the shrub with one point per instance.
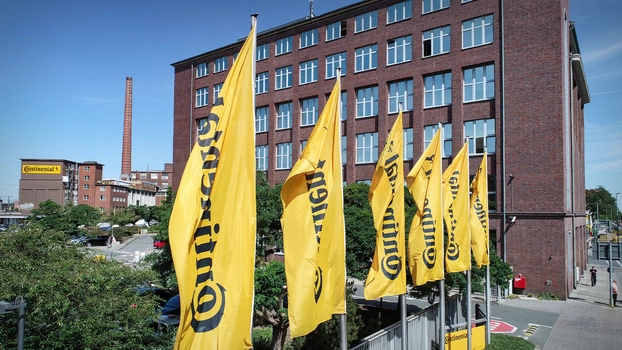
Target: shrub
{"x": 262, "y": 338}
{"x": 505, "y": 342}
{"x": 548, "y": 296}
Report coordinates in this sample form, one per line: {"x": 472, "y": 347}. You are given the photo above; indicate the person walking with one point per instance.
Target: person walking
{"x": 593, "y": 273}
{"x": 614, "y": 291}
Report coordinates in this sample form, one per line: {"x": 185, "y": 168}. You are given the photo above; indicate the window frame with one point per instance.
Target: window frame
{"x": 216, "y": 90}
{"x": 283, "y": 160}
{"x": 405, "y": 7}
{"x": 366, "y": 21}
{"x": 263, "y": 52}
{"x": 486, "y": 29}
{"x": 397, "y": 47}
{"x": 366, "y": 58}
{"x": 309, "y": 111}
{"x": 471, "y": 134}
{"x": 408, "y": 144}
{"x": 446, "y": 138}
{"x": 262, "y": 83}
{"x": 486, "y": 84}
{"x": 367, "y": 150}
{"x": 201, "y": 97}
{"x": 443, "y": 89}
{"x": 284, "y": 120}
{"x": 338, "y": 60}
{"x": 261, "y": 157}
{"x": 308, "y": 38}
{"x": 443, "y": 4}
{"x": 337, "y": 30}
{"x": 283, "y": 46}
{"x": 283, "y": 75}
{"x": 202, "y": 70}
{"x": 220, "y": 64}
{"x": 401, "y": 95}
{"x": 308, "y": 72}
{"x": 440, "y": 36}
{"x": 261, "y": 119}
{"x": 369, "y": 106}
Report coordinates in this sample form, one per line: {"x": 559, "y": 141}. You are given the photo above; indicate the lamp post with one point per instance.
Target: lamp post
{"x": 617, "y": 217}
{"x": 20, "y": 305}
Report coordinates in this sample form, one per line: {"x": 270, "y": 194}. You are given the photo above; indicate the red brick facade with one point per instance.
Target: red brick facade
{"x": 537, "y": 112}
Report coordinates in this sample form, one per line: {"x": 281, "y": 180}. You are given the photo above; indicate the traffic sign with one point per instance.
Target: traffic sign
{"x": 501, "y": 327}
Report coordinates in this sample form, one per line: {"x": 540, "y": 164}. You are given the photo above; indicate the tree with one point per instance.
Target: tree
{"x": 599, "y": 200}
{"x": 73, "y": 300}
{"x": 162, "y": 262}
{"x": 269, "y": 211}
{"x": 81, "y": 214}
{"x": 49, "y": 215}
{"x": 270, "y": 293}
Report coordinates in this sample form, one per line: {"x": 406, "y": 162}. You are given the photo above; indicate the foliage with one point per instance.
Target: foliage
{"x": 601, "y": 201}
{"x": 50, "y": 215}
{"x": 269, "y": 211}
{"x": 504, "y": 342}
{"x": 81, "y": 214}
{"x": 360, "y": 231}
{"x": 162, "y": 262}
{"x": 269, "y": 305}
{"x": 548, "y": 296}
{"x": 326, "y": 335}
{"x": 262, "y": 338}
{"x": 73, "y": 301}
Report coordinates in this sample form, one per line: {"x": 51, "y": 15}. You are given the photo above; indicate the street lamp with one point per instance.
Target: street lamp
{"x": 617, "y": 217}
{"x": 20, "y": 305}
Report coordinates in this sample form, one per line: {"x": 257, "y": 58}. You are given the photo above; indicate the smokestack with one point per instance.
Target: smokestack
{"x": 126, "y": 156}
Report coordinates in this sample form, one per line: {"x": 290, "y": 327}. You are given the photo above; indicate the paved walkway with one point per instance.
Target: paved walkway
{"x": 585, "y": 320}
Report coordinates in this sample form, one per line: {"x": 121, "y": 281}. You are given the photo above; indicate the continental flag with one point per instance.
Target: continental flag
{"x": 479, "y": 215}
{"x": 425, "y": 241}
{"x": 456, "y": 213}
{"x": 212, "y": 226}
{"x": 313, "y": 226}
{"x": 386, "y": 195}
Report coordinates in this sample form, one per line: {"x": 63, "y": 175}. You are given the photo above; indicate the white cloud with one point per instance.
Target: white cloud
{"x": 612, "y": 50}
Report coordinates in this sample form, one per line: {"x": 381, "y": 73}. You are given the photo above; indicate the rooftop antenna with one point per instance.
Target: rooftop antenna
{"x": 311, "y": 15}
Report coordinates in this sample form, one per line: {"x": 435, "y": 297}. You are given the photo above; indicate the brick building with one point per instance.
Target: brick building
{"x": 506, "y": 75}
{"x": 43, "y": 179}
{"x": 161, "y": 178}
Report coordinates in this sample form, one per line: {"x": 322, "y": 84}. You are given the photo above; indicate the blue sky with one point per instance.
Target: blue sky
{"x": 63, "y": 66}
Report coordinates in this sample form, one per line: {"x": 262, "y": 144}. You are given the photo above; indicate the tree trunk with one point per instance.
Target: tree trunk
{"x": 279, "y": 336}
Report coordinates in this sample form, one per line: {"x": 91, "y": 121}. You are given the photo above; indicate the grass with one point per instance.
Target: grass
{"x": 548, "y": 296}
{"x": 506, "y": 342}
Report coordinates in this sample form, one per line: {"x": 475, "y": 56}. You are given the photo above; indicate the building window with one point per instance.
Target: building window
{"x": 344, "y": 105}
{"x": 401, "y": 91}
{"x": 477, "y": 31}
{"x": 202, "y": 97}
{"x": 87, "y": 178}
{"x": 333, "y": 62}
{"x": 102, "y": 198}
{"x": 202, "y": 70}
{"x": 344, "y": 149}
{"x": 399, "y": 12}
{"x": 308, "y": 72}
{"x": 481, "y": 136}
{"x": 303, "y": 144}
{"x": 164, "y": 176}
{"x": 283, "y": 155}
{"x": 434, "y": 5}
{"x": 283, "y": 78}
{"x": 367, "y": 102}
{"x": 217, "y": 88}
{"x": 336, "y": 30}
{"x": 263, "y": 52}
{"x": 437, "y": 90}
{"x": 308, "y": 111}
{"x": 261, "y": 83}
{"x": 261, "y": 157}
{"x": 154, "y": 176}
{"x": 408, "y": 144}
{"x": 143, "y": 176}
{"x": 284, "y": 115}
{"x": 367, "y": 147}
{"x": 235, "y": 56}
{"x": 102, "y": 189}
{"x": 86, "y": 187}
{"x": 261, "y": 119}
{"x": 399, "y": 50}
{"x": 220, "y": 64}
{"x": 366, "y": 21}
{"x": 284, "y": 45}
{"x": 366, "y": 58}
{"x": 428, "y": 135}
{"x": 308, "y": 38}
{"x": 479, "y": 83}
{"x": 87, "y": 168}
{"x": 85, "y": 197}
{"x": 436, "y": 41}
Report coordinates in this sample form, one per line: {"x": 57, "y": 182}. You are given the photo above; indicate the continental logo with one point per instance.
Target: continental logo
{"x": 41, "y": 169}
{"x": 391, "y": 264}
{"x": 453, "y": 248}
{"x": 208, "y": 299}
{"x": 428, "y": 223}
{"x": 318, "y": 199}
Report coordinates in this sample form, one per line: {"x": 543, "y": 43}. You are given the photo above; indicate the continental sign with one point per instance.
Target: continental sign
{"x": 41, "y": 169}
{"x": 458, "y": 340}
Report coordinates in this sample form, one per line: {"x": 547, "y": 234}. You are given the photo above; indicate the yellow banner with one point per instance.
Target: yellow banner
{"x": 456, "y": 213}
{"x": 212, "y": 226}
{"x": 458, "y": 340}
{"x": 387, "y": 274}
{"x": 313, "y": 225}
{"x": 41, "y": 169}
{"x": 425, "y": 240}
{"x": 479, "y": 215}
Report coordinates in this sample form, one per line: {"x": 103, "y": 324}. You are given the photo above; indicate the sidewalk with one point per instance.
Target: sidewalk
{"x": 585, "y": 320}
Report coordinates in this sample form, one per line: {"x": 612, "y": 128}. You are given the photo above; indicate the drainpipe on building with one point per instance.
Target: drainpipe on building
{"x": 572, "y": 163}
{"x": 503, "y": 170}
{"x": 190, "y": 143}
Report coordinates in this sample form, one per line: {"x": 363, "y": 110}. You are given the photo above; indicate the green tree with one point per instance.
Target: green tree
{"x": 601, "y": 201}
{"x": 269, "y": 211}
{"x": 360, "y": 231}
{"x": 162, "y": 261}
{"x": 81, "y": 214}
{"x": 50, "y": 215}
{"x": 73, "y": 300}
{"x": 270, "y": 293}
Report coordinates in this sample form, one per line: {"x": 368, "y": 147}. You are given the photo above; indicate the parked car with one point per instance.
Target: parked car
{"x": 158, "y": 243}
{"x": 97, "y": 240}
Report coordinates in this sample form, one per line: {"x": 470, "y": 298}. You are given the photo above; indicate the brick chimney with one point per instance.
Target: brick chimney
{"x": 126, "y": 156}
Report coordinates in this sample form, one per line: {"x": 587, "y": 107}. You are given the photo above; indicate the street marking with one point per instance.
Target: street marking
{"x": 531, "y": 330}
{"x": 501, "y": 327}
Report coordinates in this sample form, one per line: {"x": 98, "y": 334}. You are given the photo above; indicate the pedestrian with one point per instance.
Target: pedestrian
{"x": 593, "y": 273}
{"x": 614, "y": 291}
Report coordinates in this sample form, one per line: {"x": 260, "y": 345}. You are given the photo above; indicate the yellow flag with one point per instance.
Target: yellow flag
{"x": 456, "y": 213}
{"x": 479, "y": 215}
{"x": 386, "y": 195}
{"x": 425, "y": 240}
{"x": 212, "y": 226}
{"x": 313, "y": 226}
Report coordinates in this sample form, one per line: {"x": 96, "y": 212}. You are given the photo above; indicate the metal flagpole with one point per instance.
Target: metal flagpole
{"x": 343, "y": 333}
{"x": 441, "y": 341}
{"x": 343, "y": 330}
{"x": 402, "y": 299}
{"x": 468, "y": 312}
{"x": 488, "y": 302}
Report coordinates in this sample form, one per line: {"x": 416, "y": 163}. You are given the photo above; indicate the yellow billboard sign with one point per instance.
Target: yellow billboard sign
{"x": 41, "y": 169}
{"x": 458, "y": 340}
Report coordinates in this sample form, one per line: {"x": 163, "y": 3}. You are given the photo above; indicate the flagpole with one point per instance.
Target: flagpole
{"x": 469, "y": 306}
{"x": 442, "y": 281}
{"x": 343, "y": 329}
{"x": 488, "y": 254}
{"x": 402, "y": 298}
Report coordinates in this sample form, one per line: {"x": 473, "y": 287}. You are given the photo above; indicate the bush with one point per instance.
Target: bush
{"x": 505, "y": 342}
{"x": 262, "y": 338}
{"x": 548, "y": 296}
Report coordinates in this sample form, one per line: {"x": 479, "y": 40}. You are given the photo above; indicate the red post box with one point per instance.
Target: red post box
{"x": 520, "y": 282}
